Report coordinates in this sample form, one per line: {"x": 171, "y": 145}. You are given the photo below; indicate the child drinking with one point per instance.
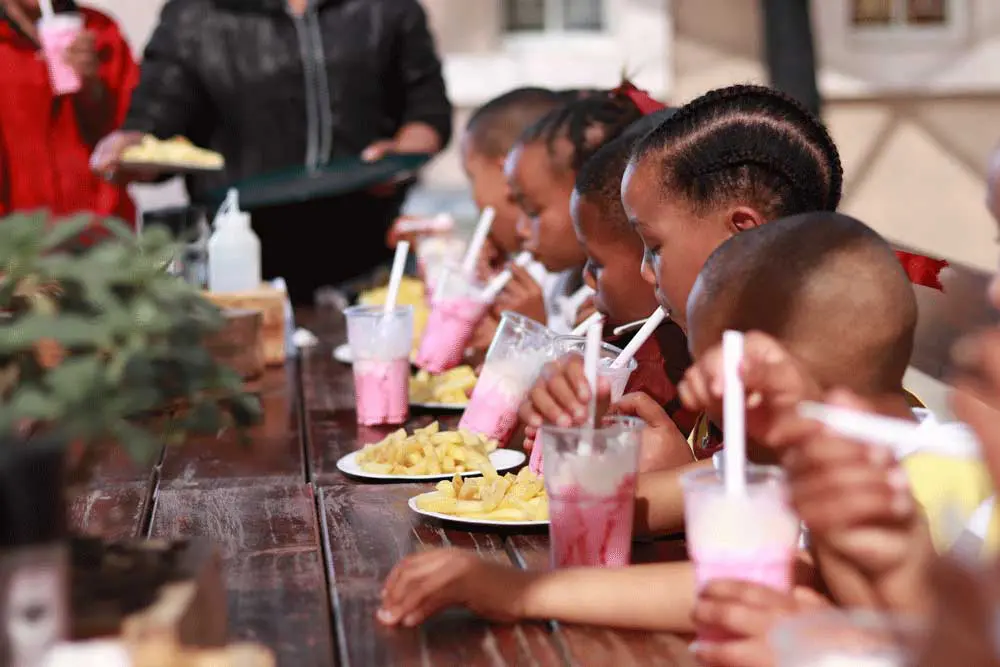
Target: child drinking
{"x": 541, "y": 171}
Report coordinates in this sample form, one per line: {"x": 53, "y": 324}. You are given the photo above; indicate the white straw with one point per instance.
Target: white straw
{"x": 584, "y": 327}
{"x": 500, "y": 281}
{"x": 902, "y": 436}
{"x": 733, "y": 415}
{"x": 478, "y": 239}
{"x": 46, "y": 7}
{"x": 576, "y": 299}
{"x": 618, "y": 331}
{"x": 641, "y": 336}
{"x": 396, "y": 276}
{"x": 591, "y": 356}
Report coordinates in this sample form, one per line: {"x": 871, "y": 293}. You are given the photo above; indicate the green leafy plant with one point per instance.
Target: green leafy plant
{"x": 100, "y": 344}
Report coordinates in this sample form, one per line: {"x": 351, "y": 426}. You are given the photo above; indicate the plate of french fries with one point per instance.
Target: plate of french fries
{"x": 429, "y": 454}
{"x": 449, "y": 390}
{"x": 175, "y": 155}
{"x": 493, "y": 499}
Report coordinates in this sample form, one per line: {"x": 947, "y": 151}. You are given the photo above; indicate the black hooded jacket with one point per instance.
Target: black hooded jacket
{"x": 271, "y": 90}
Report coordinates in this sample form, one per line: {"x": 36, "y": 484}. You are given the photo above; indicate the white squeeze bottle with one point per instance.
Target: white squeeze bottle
{"x": 233, "y": 250}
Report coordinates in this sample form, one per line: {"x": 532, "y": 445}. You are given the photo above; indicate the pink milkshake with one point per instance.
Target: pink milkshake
{"x": 751, "y": 538}
{"x": 450, "y": 325}
{"x": 519, "y": 350}
{"x": 56, "y": 33}
{"x": 380, "y": 343}
{"x": 591, "y": 489}
{"x": 381, "y": 391}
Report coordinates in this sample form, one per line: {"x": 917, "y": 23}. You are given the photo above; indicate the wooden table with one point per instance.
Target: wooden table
{"x": 306, "y": 549}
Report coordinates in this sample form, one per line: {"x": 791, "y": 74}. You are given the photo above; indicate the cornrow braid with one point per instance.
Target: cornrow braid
{"x": 587, "y": 123}
{"x": 748, "y": 142}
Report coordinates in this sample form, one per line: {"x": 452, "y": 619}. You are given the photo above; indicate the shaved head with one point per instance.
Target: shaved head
{"x": 824, "y": 284}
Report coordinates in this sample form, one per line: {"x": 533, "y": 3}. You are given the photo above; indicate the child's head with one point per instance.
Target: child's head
{"x": 541, "y": 170}
{"x": 489, "y": 135}
{"x": 826, "y": 286}
{"x": 614, "y": 251}
{"x": 726, "y": 162}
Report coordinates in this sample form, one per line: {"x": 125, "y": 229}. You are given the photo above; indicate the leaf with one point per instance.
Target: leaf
{"x": 67, "y": 330}
{"x": 30, "y": 403}
{"x": 142, "y": 446}
{"x": 76, "y": 378}
{"x": 66, "y": 230}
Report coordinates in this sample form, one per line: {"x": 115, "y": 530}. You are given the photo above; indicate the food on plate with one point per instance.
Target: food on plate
{"x": 491, "y": 497}
{"x": 429, "y": 451}
{"x": 178, "y": 151}
{"x": 453, "y": 386}
{"x": 411, "y": 293}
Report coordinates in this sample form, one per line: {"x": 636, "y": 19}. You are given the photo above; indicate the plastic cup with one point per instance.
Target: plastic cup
{"x": 846, "y": 639}
{"x": 590, "y": 484}
{"x": 434, "y": 252}
{"x": 381, "y": 346}
{"x": 751, "y": 538}
{"x": 616, "y": 377}
{"x": 56, "y": 33}
{"x": 517, "y": 354}
{"x": 456, "y": 309}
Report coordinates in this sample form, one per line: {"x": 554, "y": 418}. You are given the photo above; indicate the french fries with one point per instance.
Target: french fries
{"x": 177, "y": 150}
{"x": 452, "y": 386}
{"x": 491, "y": 497}
{"x": 429, "y": 451}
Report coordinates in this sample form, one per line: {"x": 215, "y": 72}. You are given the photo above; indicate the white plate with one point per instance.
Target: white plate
{"x": 342, "y": 353}
{"x": 502, "y": 460}
{"x": 412, "y": 502}
{"x": 439, "y": 406}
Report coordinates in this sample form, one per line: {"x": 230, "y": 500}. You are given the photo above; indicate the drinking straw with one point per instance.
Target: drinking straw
{"x": 644, "y": 333}
{"x": 733, "y": 415}
{"x": 583, "y": 327}
{"x": 396, "y": 276}
{"x": 904, "y": 437}
{"x": 46, "y": 7}
{"x": 591, "y": 356}
{"x": 478, "y": 239}
{"x": 572, "y": 303}
{"x": 619, "y": 330}
{"x": 500, "y": 281}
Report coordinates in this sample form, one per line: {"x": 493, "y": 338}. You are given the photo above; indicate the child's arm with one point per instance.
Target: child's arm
{"x": 659, "y": 502}
{"x": 428, "y": 582}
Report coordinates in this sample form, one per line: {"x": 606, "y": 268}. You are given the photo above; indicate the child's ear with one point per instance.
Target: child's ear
{"x": 744, "y": 218}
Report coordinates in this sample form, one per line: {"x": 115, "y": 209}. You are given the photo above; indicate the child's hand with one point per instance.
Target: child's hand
{"x": 490, "y": 257}
{"x": 746, "y": 612}
{"x": 864, "y": 524}
{"x": 663, "y": 446}
{"x": 561, "y": 395}
{"x": 775, "y": 382}
{"x": 976, "y": 399}
{"x": 586, "y": 309}
{"x": 424, "y": 583}
{"x": 521, "y": 295}
{"x": 484, "y": 333}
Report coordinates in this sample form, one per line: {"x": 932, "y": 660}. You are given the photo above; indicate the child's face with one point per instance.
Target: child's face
{"x": 489, "y": 188}
{"x": 612, "y": 268}
{"x": 543, "y": 193}
{"x": 677, "y": 241}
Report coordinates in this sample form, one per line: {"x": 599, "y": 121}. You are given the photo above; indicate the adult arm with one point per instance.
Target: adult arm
{"x": 427, "y": 113}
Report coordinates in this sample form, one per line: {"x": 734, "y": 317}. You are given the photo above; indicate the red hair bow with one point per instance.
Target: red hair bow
{"x": 922, "y": 270}
{"x": 640, "y": 98}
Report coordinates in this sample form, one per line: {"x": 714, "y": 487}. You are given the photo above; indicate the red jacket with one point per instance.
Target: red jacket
{"x": 44, "y": 160}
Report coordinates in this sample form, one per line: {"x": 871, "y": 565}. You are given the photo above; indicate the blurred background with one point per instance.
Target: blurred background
{"x": 909, "y": 88}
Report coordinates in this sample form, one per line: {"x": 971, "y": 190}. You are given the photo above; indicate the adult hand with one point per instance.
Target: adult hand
{"x": 376, "y": 152}
{"x": 106, "y": 159}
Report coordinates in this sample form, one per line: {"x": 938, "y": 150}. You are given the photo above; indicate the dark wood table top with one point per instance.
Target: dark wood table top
{"x": 306, "y": 549}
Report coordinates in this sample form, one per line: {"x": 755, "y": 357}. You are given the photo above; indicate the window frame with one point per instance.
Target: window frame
{"x": 554, "y": 23}
{"x": 899, "y": 34}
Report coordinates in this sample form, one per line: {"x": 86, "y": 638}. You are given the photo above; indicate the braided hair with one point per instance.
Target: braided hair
{"x": 586, "y": 123}
{"x": 748, "y": 142}
{"x": 600, "y": 177}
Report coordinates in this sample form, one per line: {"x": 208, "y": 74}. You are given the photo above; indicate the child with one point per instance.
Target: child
{"x": 491, "y": 132}
{"x": 614, "y": 255}
{"x": 541, "y": 170}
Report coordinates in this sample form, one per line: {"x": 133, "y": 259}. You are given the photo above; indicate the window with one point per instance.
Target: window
{"x": 894, "y": 14}
{"x": 553, "y": 15}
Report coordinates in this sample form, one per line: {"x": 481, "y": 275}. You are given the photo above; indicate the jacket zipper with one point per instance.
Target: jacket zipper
{"x": 319, "y": 117}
